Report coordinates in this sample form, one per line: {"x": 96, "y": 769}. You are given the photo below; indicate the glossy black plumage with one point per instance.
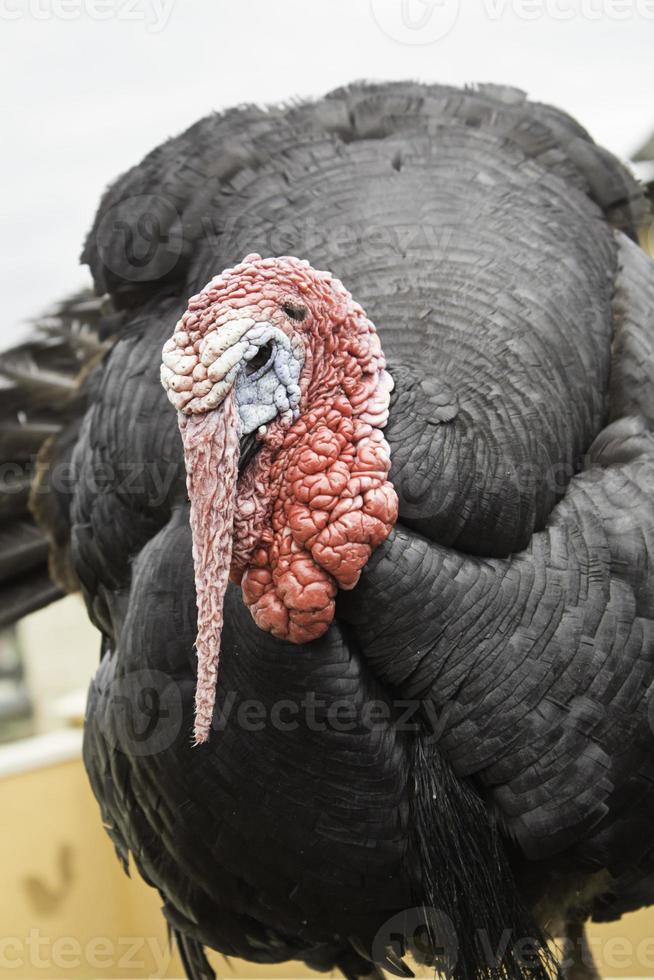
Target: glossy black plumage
{"x": 488, "y": 239}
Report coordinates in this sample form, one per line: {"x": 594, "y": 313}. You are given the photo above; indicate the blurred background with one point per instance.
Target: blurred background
{"x": 89, "y": 87}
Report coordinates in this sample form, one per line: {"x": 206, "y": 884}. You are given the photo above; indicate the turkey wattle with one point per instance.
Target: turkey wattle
{"x": 275, "y": 348}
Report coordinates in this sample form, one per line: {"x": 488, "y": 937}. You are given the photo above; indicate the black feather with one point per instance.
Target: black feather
{"x": 466, "y": 875}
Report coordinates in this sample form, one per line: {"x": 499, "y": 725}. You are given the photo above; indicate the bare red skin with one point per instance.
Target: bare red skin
{"x": 331, "y": 505}
{"x": 316, "y": 500}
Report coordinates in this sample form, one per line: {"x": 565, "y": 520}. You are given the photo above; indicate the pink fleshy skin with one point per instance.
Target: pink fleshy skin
{"x": 211, "y": 451}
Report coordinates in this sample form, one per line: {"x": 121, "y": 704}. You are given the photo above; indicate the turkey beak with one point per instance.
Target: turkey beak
{"x": 249, "y": 447}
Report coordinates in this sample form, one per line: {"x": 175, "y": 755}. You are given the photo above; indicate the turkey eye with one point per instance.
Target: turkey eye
{"x": 260, "y": 359}
{"x": 295, "y": 312}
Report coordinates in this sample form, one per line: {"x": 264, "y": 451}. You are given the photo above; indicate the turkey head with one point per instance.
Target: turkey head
{"x": 281, "y": 388}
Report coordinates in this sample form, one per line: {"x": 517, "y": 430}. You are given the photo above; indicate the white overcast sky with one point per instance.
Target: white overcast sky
{"x": 89, "y": 86}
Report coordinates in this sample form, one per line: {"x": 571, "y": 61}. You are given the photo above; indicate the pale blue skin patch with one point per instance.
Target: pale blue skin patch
{"x": 273, "y": 390}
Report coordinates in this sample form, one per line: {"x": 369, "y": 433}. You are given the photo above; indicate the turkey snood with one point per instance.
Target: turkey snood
{"x": 278, "y": 352}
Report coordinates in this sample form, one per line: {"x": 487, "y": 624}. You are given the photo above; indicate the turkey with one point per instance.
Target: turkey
{"x": 351, "y": 457}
